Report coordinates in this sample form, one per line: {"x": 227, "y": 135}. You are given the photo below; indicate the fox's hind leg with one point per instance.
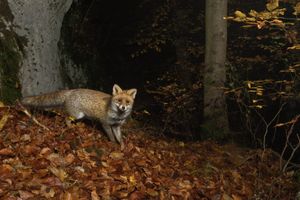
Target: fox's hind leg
{"x": 73, "y": 112}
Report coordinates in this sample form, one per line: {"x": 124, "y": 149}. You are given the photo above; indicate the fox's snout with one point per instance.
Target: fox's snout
{"x": 123, "y": 108}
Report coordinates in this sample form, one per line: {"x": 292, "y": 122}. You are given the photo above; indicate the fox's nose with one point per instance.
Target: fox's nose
{"x": 123, "y": 107}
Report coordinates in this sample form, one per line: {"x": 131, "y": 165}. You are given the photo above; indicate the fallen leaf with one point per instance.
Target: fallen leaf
{"x": 47, "y": 192}
{"x": 94, "y": 195}
{"x": 67, "y": 196}
{"x": 30, "y": 150}
{"x": 45, "y": 151}
{"x": 226, "y": 197}
{"x": 25, "y": 194}
{"x": 25, "y": 138}
{"x": 5, "y": 171}
{"x": 69, "y": 159}
{"x": 116, "y": 155}
{"x": 25, "y": 172}
{"x": 56, "y": 159}
{"x": 3, "y": 120}
{"x": 152, "y": 192}
{"x": 1, "y": 104}
{"x": 6, "y": 152}
{"x": 236, "y": 197}
{"x": 59, "y": 173}
{"x": 136, "y": 195}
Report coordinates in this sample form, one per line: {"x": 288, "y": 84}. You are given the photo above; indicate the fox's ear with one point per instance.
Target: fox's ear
{"x": 116, "y": 89}
{"x": 132, "y": 92}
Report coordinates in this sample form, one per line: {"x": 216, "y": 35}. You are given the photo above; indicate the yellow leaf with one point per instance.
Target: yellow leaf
{"x": 181, "y": 144}
{"x": 247, "y": 26}
{"x": 59, "y": 173}
{"x": 1, "y": 104}
{"x": 146, "y": 112}
{"x": 249, "y": 85}
{"x": 132, "y": 180}
{"x": 116, "y": 155}
{"x": 251, "y": 19}
{"x": 297, "y": 46}
{"x": 259, "y": 93}
{"x": 226, "y": 197}
{"x": 253, "y": 13}
{"x": 260, "y": 24}
{"x": 259, "y": 106}
{"x": 265, "y": 15}
{"x": 272, "y": 5}
{"x": 239, "y": 14}
{"x": 3, "y": 120}
{"x": 297, "y": 9}
{"x": 278, "y": 22}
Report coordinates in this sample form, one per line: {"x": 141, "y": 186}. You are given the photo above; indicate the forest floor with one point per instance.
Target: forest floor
{"x": 76, "y": 161}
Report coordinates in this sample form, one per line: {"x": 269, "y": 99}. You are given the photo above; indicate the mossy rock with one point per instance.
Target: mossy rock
{"x": 11, "y": 48}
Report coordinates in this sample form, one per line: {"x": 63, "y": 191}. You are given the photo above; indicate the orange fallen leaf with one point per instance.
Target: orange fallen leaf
{"x": 6, "y": 152}
{"x": 5, "y": 171}
{"x": 69, "y": 159}
{"x": 94, "y": 195}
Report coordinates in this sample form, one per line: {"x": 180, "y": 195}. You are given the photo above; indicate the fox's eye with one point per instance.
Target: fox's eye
{"x": 127, "y": 102}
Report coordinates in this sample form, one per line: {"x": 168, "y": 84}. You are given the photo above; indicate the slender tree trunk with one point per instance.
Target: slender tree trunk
{"x": 215, "y": 111}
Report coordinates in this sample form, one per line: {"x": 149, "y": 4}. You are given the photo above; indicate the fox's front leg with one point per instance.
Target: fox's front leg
{"x": 109, "y": 131}
{"x": 117, "y": 133}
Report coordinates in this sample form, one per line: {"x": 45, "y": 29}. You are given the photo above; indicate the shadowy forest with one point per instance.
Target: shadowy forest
{"x": 216, "y": 116}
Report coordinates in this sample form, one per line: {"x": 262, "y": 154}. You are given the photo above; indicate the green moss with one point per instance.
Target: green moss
{"x": 9, "y": 67}
{"x": 11, "y": 48}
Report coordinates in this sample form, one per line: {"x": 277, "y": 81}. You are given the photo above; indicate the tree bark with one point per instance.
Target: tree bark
{"x": 215, "y": 110}
{"x": 40, "y": 23}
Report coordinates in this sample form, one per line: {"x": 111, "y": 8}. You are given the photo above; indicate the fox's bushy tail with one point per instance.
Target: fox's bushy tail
{"x": 54, "y": 99}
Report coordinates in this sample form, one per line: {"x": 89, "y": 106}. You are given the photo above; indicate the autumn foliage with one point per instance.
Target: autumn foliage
{"x": 77, "y": 161}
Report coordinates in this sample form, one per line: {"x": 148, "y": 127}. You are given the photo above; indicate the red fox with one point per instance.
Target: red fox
{"x": 110, "y": 110}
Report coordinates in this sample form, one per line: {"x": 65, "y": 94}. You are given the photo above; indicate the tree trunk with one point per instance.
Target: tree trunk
{"x": 215, "y": 110}
{"x": 40, "y": 23}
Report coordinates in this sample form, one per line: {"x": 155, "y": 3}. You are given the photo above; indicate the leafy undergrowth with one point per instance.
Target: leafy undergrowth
{"x": 78, "y": 162}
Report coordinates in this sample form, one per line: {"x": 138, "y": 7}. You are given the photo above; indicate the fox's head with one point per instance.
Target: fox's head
{"x": 122, "y": 100}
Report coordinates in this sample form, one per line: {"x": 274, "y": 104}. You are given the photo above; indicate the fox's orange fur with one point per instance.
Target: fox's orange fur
{"x": 110, "y": 110}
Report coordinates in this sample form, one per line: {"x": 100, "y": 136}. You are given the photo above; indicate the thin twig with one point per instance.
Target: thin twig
{"x": 269, "y": 123}
{"x": 24, "y": 110}
{"x": 294, "y": 149}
